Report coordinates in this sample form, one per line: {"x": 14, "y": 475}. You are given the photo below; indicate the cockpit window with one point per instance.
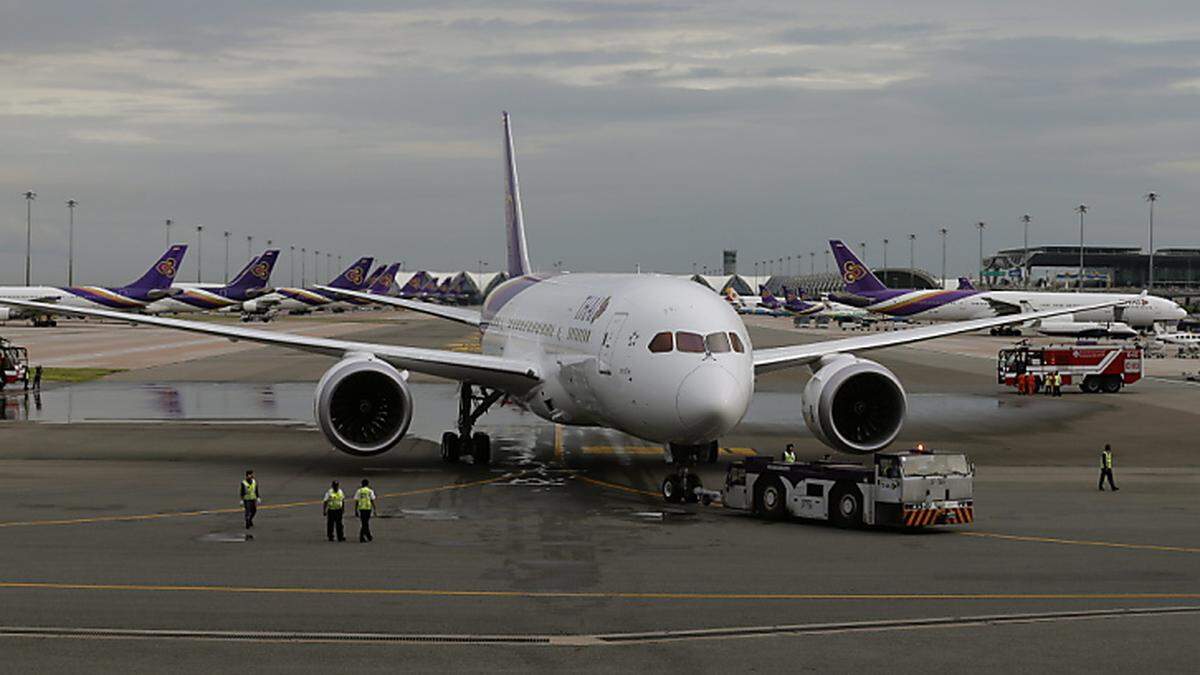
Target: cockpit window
{"x": 689, "y": 342}
{"x": 717, "y": 343}
{"x": 737, "y": 343}
{"x": 662, "y": 343}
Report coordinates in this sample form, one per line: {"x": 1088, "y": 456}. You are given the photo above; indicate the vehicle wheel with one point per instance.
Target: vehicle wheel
{"x": 1090, "y": 384}
{"x": 450, "y": 447}
{"x": 689, "y": 489}
{"x": 772, "y": 500}
{"x": 846, "y": 508}
{"x": 1112, "y": 384}
{"x": 672, "y": 490}
{"x": 481, "y": 448}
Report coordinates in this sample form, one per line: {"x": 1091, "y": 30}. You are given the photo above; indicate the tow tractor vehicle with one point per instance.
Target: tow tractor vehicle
{"x": 14, "y": 363}
{"x": 1093, "y": 367}
{"x": 907, "y": 488}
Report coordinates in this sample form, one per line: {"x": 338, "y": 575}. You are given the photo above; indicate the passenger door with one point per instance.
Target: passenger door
{"x": 611, "y": 335}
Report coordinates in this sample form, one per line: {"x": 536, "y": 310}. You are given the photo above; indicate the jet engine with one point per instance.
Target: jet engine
{"x": 5, "y": 313}
{"x": 854, "y": 405}
{"x": 363, "y": 405}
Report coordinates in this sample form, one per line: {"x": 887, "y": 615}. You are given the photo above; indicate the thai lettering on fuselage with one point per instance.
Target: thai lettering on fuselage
{"x": 592, "y": 308}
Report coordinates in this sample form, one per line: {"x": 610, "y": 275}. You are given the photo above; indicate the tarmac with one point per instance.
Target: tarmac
{"x": 123, "y": 545}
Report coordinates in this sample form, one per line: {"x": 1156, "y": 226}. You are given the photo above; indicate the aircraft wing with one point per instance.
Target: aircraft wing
{"x": 1002, "y": 308}
{"x": 778, "y": 358}
{"x": 459, "y": 314}
{"x": 510, "y": 375}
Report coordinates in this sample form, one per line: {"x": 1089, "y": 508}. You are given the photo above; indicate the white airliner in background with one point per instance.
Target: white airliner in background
{"x": 657, "y": 357}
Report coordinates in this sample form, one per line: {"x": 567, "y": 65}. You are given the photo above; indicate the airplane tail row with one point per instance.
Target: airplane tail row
{"x": 256, "y": 273}
{"x": 354, "y": 277}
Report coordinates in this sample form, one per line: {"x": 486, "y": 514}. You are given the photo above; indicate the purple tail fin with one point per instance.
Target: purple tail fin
{"x": 964, "y": 284}
{"x": 412, "y": 287}
{"x": 383, "y": 283}
{"x": 162, "y": 273}
{"x": 858, "y": 278}
{"x": 258, "y": 273}
{"x": 355, "y": 275}
{"x": 514, "y": 220}
{"x": 372, "y": 277}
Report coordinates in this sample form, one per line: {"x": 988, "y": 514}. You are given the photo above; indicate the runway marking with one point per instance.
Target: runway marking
{"x": 617, "y": 486}
{"x": 238, "y": 509}
{"x": 581, "y": 595}
{"x": 1079, "y": 542}
{"x": 585, "y": 639}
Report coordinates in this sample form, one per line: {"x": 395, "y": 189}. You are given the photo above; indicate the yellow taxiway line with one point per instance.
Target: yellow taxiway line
{"x": 584, "y": 595}
{"x": 268, "y": 507}
{"x": 617, "y": 486}
{"x": 1078, "y": 542}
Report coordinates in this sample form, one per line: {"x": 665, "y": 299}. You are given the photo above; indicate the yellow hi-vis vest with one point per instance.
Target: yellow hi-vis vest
{"x": 336, "y": 499}
{"x": 251, "y": 487}
{"x": 363, "y": 497}
{"x": 789, "y": 457}
{"x": 1106, "y": 459}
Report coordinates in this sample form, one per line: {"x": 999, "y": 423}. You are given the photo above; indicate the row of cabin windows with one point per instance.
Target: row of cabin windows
{"x": 695, "y": 343}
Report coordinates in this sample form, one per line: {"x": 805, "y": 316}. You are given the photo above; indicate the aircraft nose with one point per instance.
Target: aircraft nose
{"x": 710, "y": 402}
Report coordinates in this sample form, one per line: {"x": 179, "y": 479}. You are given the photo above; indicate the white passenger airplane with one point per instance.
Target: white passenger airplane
{"x": 657, "y": 357}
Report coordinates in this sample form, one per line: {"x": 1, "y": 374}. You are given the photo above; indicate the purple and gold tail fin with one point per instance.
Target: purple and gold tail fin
{"x": 383, "y": 283}
{"x": 372, "y": 277}
{"x": 257, "y": 274}
{"x": 858, "y": 278}
{"x": 355, "y": 276}
{"x": 514, "y": 220}
{"x": 162, "y": 274}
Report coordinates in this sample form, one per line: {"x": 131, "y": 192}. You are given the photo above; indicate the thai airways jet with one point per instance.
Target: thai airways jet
{"x": 383, "y": 280}
{"x": 154, "y": 285}
{"x": 865, "y": 290}
{"x": 657, "y": 357}
{"x": 253, "y": 281}
{"x": 319, "y": 297}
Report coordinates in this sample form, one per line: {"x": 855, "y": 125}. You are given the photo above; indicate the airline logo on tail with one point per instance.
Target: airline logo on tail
{"x": 355, "y": 275}
{"x": 166, "y": 267}
{"x": 852, "y": 271}
{"x": 261, "y": 270}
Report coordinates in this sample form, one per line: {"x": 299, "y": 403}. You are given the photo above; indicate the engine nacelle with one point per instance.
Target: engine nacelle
{"x": 253, "y": 307}
{"x": 854, "y": 405}
{"x": 363, "y": 406}
{"x": 5, "y": 313}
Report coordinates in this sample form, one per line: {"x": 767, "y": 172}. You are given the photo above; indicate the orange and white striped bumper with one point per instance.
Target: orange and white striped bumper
{"x": 920, "y": 516}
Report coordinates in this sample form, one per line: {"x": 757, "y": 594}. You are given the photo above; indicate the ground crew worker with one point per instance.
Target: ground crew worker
{"x": 1057, "y": 383}
{"x": 37, "y": 378}
{"x": 334, "y": 506}
{"x": 1021, "y": 384}
{"x": 1106, "y": 463}
{"x": 364, "y": 501}
{"x": 789, "y": 454}
{"x": 250, "y": 498}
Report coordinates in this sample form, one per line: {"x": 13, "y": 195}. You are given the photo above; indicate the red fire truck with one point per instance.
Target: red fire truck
{"x": 1094, "y": 367}
{"x": 14, "y": 363}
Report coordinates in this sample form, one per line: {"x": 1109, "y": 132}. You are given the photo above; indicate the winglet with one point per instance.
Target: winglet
{"x": 518, "y": 254}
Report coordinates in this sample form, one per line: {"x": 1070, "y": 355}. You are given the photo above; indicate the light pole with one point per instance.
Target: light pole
{"x": 303, "y": 264}
{"x": 885, "y": 243}
{"x": 812, "y": 263}
{"x": 339, "y": 266}
{"x": 862, "y": 245}
{"x": 328, "y": 264}
{"x": 291, "y": 265}
{"x": 71, "y": 204}
{"x": 316, "y": 265}
{"x": 199, "y": 251}
{"x": 827, "y": 254}
{"x": 226, "y": 256}
{"x": 1151, "y": 197}
{"x": 249, "y": 246}
{"x": 944, "y": 233}
{"x": 169, "y": 223}
{"x": 1025, "y": 259}
{"x": 1081, "y": 210}
{"x": 981, "y": 225}
{"x": 912, "y": 261}
{"x": 30, "y": 195}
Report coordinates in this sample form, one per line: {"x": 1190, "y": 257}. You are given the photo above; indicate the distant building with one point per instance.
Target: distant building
{"x": 729, "y": 266}
{"x": 1104, "y": 266}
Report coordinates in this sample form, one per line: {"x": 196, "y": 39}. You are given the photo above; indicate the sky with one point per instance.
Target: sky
{"x": 651, "y": 134}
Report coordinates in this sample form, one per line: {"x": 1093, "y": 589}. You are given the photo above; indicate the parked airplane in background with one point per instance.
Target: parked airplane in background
{"x": 154, "y": 285}
{"x": 384, "y": 280}
{"x": 1084, "y": 329}
{"x": 1180, "y": 338}
{"x": 319, "y": 297}
{"x": 657, "y": 357}
{"x": 863, "y": 289}
{"x": 252, "y": 282}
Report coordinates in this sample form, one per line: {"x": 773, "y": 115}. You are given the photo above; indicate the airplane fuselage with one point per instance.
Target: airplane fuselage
{"x": 962, "y": 305}
{"x": 591, "y": 336}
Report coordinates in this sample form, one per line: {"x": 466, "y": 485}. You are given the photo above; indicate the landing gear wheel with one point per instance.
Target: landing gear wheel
{"x": 846, "y": 509}
{"x": 672, "y": 490}
{"x": 450, "y": 447}
{"x": 481, "y": 448}
{"x": 772, "y": 500}
{"x": 691, "y": 482}
{"x": 1112, "y": 384}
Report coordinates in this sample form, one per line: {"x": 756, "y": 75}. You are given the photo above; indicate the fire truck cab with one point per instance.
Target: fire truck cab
{"x": 1092, "y": 367}
{"x": 14, "y": 363}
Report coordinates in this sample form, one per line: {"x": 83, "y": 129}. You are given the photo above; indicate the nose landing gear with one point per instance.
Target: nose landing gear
{"x": 471, "y": 406}
{"x": 684, "y": 485}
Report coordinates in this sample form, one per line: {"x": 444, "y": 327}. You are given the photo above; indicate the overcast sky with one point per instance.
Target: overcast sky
{"x": 647, "y": 132}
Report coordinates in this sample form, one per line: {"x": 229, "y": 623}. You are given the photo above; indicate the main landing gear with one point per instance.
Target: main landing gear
{"x": 471, "y": 406}
{"x": 684, "y": 485}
